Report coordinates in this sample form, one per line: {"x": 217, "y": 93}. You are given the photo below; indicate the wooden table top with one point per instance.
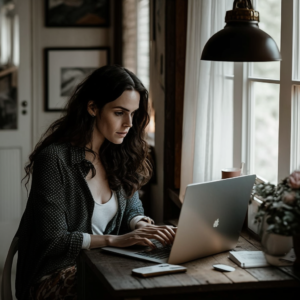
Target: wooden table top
{"x": 114, "y": 272}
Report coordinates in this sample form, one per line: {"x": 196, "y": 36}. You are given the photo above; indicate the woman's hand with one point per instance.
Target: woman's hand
{"x": 141, "y": 236}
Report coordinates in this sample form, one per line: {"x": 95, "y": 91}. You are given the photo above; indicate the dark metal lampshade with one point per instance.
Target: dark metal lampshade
{"x": 241, "y": 39}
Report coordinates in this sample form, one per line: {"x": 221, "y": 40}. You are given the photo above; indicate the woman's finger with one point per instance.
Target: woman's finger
{"x": 159, "y": 238}
{"x": 169, "y": 229}
{"x": 168, "y": 239}
{"x": 143, "y": 241}
{"x": 168, "y": 234}
{"x": 165, "y": 235}
{"x": 153, "y": 234}
{"x": 137, "y": 239}
{"x": 147, "y": 242}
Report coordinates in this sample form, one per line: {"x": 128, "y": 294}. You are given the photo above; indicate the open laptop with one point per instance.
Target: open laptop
{"x": 210, "y": 222}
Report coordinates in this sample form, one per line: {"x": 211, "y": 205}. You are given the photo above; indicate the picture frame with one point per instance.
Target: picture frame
{"x": 65, "y": 68}
{"x": 8, "y": 102}
{"x": 77, "y": 13}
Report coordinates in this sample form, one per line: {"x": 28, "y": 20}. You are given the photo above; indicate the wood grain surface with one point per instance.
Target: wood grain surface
{"x": 113, "y": 273}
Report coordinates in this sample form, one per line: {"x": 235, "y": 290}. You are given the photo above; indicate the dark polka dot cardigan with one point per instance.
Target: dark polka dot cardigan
{"x": 58, "y": 211}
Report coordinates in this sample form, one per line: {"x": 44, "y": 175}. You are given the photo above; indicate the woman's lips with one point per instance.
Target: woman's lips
{"x": 122, "y": 133}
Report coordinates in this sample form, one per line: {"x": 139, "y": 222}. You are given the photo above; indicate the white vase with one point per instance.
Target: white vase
{"x": 276, "y": 244}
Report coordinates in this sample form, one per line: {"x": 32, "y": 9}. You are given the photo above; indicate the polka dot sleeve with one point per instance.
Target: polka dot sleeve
{"x": 134, "y": 208}
{"x": 49, "y": 210}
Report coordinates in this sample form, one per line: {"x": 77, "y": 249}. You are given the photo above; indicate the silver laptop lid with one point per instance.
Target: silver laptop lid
{"x": 211, "y": 218}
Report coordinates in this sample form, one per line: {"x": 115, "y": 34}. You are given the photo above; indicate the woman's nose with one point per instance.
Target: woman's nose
{"x": 128, "y": 122}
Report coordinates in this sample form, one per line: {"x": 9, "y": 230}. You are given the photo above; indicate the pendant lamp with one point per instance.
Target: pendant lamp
{"x": 241, "y": 39}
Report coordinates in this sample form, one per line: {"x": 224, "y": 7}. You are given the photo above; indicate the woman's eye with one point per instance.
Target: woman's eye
{"x": 118, "y": 113}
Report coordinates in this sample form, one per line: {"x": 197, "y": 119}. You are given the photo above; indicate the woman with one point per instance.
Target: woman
{"x": 86, "y": 172}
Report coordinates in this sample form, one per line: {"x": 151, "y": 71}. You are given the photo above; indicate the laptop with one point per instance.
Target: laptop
{"x": 210, "y": 222}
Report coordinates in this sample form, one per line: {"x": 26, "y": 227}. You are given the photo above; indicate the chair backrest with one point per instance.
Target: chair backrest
{"x": 6, "y": 293}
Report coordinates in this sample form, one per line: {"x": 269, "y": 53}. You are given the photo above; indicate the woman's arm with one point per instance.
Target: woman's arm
{"x": 133, "y": 209}
{"x": 141, "y": 235}
{"x": 48, "y": 205}
{"x": 99, "y": 241}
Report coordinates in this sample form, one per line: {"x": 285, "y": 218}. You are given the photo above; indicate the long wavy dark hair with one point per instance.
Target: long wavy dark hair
{"x": 126, "y": 164}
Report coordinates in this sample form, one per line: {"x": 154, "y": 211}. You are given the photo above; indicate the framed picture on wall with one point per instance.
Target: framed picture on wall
{"x": 77, "y": 13}
{"x": 8, "y": 101}
{"x": 65, "y": 68}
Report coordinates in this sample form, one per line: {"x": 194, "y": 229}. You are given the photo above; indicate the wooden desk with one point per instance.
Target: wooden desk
{"x": 103, "y": 275}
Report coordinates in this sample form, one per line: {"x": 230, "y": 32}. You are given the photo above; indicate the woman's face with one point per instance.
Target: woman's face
{"x": 115, "y": 119}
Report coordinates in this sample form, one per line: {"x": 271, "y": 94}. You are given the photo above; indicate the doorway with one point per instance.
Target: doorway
{"x": 15, "y": 114}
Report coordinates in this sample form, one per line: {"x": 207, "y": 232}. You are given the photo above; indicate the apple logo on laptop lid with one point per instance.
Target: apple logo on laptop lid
{"x": 216, "y": 223}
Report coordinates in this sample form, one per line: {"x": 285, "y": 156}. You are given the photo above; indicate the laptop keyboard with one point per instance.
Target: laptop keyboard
{"x": 160, "y": 252}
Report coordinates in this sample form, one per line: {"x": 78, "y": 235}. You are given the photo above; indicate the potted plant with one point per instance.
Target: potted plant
{"x": 279, "y": 216}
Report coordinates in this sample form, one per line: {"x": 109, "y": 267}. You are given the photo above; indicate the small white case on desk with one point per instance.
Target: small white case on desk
{"x": 155, "y": 270}
{"x": 249, "y": 259}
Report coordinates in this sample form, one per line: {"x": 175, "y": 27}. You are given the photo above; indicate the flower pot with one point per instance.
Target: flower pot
{"x": 276, "y": 246}
{"x": 296, "y": 241}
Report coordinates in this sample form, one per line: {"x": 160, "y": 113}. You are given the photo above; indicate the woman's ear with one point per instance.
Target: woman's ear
{"x": 92, "y": 109}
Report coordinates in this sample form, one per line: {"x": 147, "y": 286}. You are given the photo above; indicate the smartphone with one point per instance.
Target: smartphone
{"x": 156, "y": 270}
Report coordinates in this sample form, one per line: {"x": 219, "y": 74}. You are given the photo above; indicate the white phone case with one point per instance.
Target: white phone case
{"x": 158, "y": 270}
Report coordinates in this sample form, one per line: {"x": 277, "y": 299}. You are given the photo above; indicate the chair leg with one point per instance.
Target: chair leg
{"x": 6, "y": 293}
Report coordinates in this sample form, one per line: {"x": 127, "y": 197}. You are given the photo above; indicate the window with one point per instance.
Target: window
{"x": 266, "y": 109}
{"x": 9, "y": 35}
{"x": 136, "y": 47}
{"x": 129, "y": 35}
{"x": 267, "y": 123}
{"x": 267, "y": 133}
{"x": 136, "y": 38}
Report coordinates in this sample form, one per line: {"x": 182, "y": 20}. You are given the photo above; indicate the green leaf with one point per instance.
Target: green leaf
{"x": 287, "y": 206}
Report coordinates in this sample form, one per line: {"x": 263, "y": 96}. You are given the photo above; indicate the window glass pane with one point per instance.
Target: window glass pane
{"x": 296, "y": 41}
{"x": 228, "y": 68}
{"x": 226, "y": 160}
{"x": 295, "y": 153}
{"x": 228, "y": 65}
{"x": 270, "y": 22}
{"x": 143, "y": 38}
{"x": 266, "y": 121}
{"x": 130, "y": 35}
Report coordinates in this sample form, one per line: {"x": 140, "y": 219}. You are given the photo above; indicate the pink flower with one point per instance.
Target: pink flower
{"x": 294, "y": 180}
{"x": 289, "y": 198}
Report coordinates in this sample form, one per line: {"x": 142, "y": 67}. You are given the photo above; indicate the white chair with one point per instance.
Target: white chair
{"x": 6, "y": 293}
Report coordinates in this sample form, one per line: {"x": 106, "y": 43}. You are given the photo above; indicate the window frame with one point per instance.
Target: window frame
{"x": 243, "y": 128}
{"x": 135, "y": 25}
{"x": 289, "y": 116}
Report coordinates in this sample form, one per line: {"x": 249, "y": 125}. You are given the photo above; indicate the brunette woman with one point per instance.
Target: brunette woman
{"x": 86, "y": 173}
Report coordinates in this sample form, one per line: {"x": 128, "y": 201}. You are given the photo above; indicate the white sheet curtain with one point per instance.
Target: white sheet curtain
{"x": 9, "y": 36}
{"x": 208, "y": 105}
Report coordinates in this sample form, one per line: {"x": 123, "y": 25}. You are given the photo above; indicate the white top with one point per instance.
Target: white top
{"x": 102, "y": 215}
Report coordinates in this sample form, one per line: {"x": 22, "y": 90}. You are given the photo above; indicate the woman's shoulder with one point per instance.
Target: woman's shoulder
{"x": 54, "y": 148}
{"x": 48, "y": 169}
{"x": 54, "y": 152}
{"x": 64, "y": 153}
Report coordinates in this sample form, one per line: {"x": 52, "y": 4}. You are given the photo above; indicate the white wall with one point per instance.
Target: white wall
{"x": 57, "y": 37}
